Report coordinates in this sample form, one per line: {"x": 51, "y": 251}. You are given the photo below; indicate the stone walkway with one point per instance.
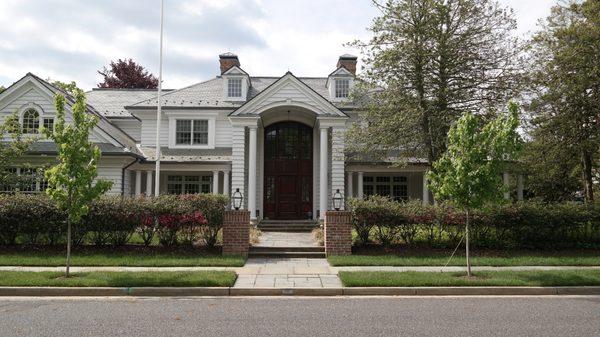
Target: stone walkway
{"x": 287, "y": 273}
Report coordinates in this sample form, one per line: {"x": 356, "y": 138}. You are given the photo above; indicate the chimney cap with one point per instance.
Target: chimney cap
{"x": 348, "y": 57}
{"x": 228, "y": 55}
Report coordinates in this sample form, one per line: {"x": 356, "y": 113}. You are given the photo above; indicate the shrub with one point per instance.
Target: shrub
{"x": 521, "y": 225}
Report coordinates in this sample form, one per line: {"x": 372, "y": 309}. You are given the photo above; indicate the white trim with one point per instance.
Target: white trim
{"x": 211, "y": 117}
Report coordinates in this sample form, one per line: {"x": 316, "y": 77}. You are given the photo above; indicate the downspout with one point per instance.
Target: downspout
{"x": 136, "y": 160}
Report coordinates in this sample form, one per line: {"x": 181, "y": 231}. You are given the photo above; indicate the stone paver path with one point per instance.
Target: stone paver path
{"x": 286, "y": 239}
{"x": 287, "y": 273}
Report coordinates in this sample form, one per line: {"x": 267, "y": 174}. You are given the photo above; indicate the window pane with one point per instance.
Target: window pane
{"x": 192, "y": 188}
{"x": 200, "y": 132}
{"x": 400, "y": 179}
{"x": 368, "y": 190}
{"x": 342, "y": 87}
{"x": 383, "y": 190}
{"x": 31, "y": 121}
{"x": 174, "y": 188}
{"x": 183, "y": 131}
{"x": 383, "y": 179}
{"x": 234, "y": 87}
{"x": 400, "y": 192}
{"x": 49, "y": 124}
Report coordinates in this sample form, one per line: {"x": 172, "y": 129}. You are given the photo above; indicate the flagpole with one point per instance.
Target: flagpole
{"x": 159, "y": 103}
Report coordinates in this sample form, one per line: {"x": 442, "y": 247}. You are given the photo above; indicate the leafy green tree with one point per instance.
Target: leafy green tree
{"x": 70, "y": 88}
{"x": 431, "y": 60}
{"x": 71, "y": 183}
{"x": 469, "y": 173}
{"x": 565, "y": 90}
{"x": 11, "y": 150}
{"x": 2, "y": 88}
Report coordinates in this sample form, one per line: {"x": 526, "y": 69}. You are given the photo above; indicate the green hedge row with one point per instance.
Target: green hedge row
{"x": 517, "y": 226}
{"x": 185, "y": 219}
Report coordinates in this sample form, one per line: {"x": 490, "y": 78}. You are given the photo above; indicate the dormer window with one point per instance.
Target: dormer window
{"x": 191, "y": 132}
{"x": 342, "y": 87}
{"x": 234, "y": 87}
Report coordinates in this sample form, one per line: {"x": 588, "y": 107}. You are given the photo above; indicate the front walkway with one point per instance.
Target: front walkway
{"x": 286, "y": 239}
{"x": 287, "y": 273}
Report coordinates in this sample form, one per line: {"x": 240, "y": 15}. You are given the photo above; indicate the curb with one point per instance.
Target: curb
{"x": 344, "y": 291}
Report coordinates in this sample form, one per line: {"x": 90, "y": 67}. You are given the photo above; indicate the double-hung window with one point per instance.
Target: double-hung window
{"x": 178, "y": 184}
{"x": 191, "y": 132}
{"x": 49, "y": 124}
{"x": 234, "y": 87}
{"x": 342, "y": 87}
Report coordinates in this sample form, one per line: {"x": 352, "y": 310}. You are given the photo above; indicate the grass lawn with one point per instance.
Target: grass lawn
{"x": 119, "y": 279}
{"x": 54, "y": 258}
{"x": 482, "y": 278}
{"x": 501, "y": 259}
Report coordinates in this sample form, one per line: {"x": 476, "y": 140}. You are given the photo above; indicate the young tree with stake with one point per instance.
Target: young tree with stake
{"x": 71, "y": 182}
{"x": 468, "y": 174}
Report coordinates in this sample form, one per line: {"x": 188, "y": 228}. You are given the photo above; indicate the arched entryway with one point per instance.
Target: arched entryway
{"x": 288, "y": 176}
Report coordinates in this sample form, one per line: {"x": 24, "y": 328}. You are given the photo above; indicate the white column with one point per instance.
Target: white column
{"x": 349, "y": 184}
{"x": 215, "y": 188}
{"x": 425, "y": 189}
{"x": 238, "y": 161}
{"x": 226, "y": 183}
{"x": 505, "y": 180}
{"x": 323, "y": 161}
{"x": 138, "y": 182}
{"x": 338, "y": 144}
{"x": 148, "y": 183}
{"x": 252, "y": 171}
{"x": 359, "y": 193}
{"x": 520, "y": 187}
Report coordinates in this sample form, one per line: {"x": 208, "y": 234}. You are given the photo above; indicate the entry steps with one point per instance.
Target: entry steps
{"x": 287, "y": 225}
{"x": 287, "y": 252}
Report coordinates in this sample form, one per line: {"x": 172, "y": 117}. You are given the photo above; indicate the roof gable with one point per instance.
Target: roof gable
{"x": 288, "y": 90}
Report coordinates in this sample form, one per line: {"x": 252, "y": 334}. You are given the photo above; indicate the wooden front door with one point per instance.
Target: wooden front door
{"x": 288, "y": 171}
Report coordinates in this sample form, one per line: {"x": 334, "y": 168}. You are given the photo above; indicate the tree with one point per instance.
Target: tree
{"x": 565, "y": 88}
{"x": 430, "y": 60}
{"x": 127, "y": 74}
{"x": 2, "y": 88}
{"x": 71, "y": 182}
{"x": 11, "y": 150}
{"x": 469, "y": 173}
{"x": 70, "y": 88}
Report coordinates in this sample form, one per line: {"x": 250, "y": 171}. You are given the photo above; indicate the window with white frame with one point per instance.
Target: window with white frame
{"x": 26, "y": 180}
{"x": 191, "y": 132}
{"x": 394, "y": 187}
{"x": 31, "y": 121}
{"x": 342, "y": 87}
{"x": 234, "y": 87}
{"x": 188, "y": 184}
{"x": 49, "y": 124}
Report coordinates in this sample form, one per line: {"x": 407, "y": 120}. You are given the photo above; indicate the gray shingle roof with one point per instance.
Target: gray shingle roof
{"x": 219, "y": 154}
{"x": 51, "y": 148}
{"x": 112, "y": 102}
{"x": 209, "y": 94}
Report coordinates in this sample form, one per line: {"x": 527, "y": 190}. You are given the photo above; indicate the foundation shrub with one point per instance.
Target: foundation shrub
{"x": 523, "y": 225}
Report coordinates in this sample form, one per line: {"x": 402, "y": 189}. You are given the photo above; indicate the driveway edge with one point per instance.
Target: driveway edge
{"x": 343, "y": 291}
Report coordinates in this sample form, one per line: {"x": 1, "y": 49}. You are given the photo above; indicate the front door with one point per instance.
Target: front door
{"x": 288, "y": 171}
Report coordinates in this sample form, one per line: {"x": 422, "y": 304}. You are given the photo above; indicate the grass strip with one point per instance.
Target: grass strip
{"x": 481, "y": 278}
{"x": 440, "y": 260}
{"x": 129, "y": 259}
{"x": 118, "y": 279}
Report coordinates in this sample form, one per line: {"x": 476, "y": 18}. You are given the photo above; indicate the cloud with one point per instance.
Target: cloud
{"x": 72, "y": 39}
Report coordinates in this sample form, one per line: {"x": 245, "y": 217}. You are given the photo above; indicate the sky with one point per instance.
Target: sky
{"x": 69, "y": 40}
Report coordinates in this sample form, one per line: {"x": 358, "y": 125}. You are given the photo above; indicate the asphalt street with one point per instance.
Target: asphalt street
{"x": 276, "y": 316}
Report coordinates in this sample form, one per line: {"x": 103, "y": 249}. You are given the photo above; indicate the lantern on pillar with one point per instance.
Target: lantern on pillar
{"x": 237, "y": 199}
{"x": 337, "y": 200}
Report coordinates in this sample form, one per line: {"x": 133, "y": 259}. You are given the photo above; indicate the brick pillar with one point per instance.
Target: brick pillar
{"x": 338, "y": 233}
{"x": 236, "y": 233}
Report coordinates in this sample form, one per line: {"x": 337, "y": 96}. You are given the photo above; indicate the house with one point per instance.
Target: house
{"x": 280, "y": 141}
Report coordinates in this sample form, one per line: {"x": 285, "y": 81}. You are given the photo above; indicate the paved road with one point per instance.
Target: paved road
{"x": 502, "y": 316}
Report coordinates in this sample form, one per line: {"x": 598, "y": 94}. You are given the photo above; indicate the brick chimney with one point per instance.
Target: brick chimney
{"x": 228, "y": 60}
{"x": 348, "y": 61}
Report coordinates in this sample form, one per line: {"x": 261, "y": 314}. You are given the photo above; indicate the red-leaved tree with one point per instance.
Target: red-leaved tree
{"x": 127, "y": 74}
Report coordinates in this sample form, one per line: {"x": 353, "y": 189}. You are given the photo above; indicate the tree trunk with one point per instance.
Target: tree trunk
{"x": 586, "y": 168}
{"x": 467, "y": 245}
{"x": 68, "y": 247}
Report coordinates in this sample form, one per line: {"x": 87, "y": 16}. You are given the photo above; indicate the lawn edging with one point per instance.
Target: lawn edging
{"x": 343, "y": 291}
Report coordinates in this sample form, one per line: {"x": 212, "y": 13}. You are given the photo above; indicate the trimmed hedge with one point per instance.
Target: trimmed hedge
{"x": 521, "y": 225}
{"x": 112, "y": 220}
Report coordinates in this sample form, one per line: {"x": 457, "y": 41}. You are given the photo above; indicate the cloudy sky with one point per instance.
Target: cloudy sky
{"x": 71, "y": 39}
